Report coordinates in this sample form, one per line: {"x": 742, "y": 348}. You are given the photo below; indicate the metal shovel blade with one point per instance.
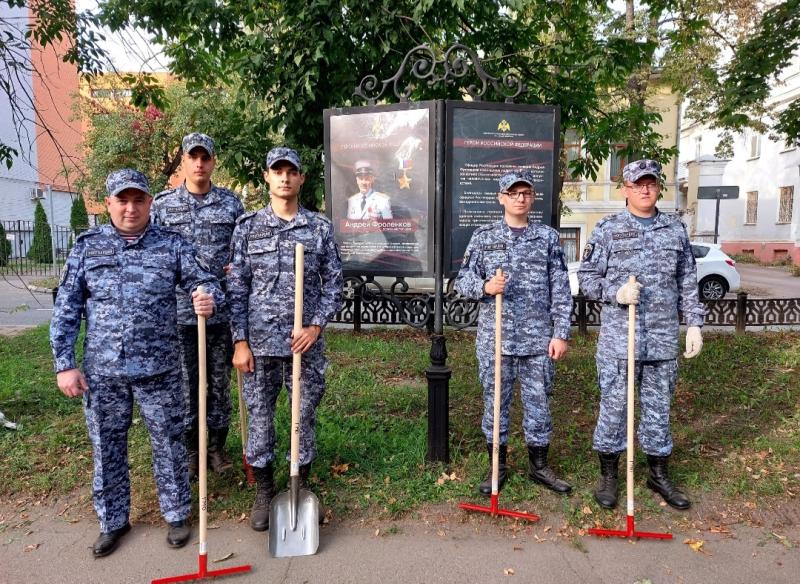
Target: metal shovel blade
{"x": 294, "y": 528}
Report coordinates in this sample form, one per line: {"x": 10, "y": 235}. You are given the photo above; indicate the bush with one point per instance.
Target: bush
{"x": 5, "y": 247}
{"x": 41, "y": 250}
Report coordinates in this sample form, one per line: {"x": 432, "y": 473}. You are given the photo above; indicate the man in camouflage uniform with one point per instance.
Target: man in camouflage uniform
{"x": 205, "y": 215}
{"x": 122, "y": 278}
{"x": 536, "y": 318}
{"x": 654, "y": 247}
{"x": 261, "y": 295}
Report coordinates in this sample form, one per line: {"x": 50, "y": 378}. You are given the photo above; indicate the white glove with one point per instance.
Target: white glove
{"x": 629, "y": 293}
{"x": 694, "y": 342}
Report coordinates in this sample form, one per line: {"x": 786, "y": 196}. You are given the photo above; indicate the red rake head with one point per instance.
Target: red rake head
{"x": 629, "y": 532}
{"x": 203, "y": 572}
{"x": 495, "y": 510}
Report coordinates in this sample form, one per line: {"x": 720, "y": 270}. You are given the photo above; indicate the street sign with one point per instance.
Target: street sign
{"x": 718, "y": 192}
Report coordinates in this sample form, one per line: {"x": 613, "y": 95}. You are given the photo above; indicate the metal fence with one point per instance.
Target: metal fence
{"x": 19, "y": 235}
{"x": 385, "y": 309}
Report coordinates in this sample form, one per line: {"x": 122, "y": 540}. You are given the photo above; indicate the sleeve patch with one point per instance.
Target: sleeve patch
{"x": 588, "y": 250}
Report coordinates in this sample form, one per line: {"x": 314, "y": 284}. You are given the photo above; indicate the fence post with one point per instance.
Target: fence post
{"x": 741, "y": 312}
{"x": 357, "y": 309}
{"x": 582, "y": 324}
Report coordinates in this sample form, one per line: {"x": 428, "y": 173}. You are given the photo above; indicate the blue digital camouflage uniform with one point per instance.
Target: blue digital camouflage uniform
{"x": 208, "y": 224}
{"x": 536, "y": 308}
{"x": 126, "y": 291}
{"x": 660, "y": 257}
{"x": 261, "y": 299}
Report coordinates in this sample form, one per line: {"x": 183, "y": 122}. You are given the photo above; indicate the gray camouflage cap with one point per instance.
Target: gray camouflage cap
{"x": 635, "y": 170}
{"x": 283, "y": 154}
{"x": 196, "y": 139}
{"x": 127, "y": 178}
{"x": 512, "y": 178}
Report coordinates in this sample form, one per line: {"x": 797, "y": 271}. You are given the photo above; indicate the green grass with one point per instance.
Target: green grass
{"x": 736, "y": 415}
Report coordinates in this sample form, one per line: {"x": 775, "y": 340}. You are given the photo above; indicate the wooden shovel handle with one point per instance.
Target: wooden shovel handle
{"x": 202, "y": 426}
{"x": 630, "y": 397}
{"x": 299, "y": 265}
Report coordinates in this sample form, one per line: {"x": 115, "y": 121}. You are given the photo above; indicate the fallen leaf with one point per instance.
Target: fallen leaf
{"x": 516, "y": 548}
{"x": 223, "y": 558}
{"x": 508, "y": 571}
{"x": 386, "y": 480}
{"x": 695, "y": 544}
{"x": 242, "y": 517}
{"x": 547, "y": 528}
{"x": 340, "y": 469}
{"x": 586, "y": 510}
{"x": 31, "y": 547}
{"x": 377, "y": 532}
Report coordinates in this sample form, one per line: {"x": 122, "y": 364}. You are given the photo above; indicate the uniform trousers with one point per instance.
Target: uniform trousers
{"x": 108, "y": 407}
{"x": 655, "y": 381}
{"x": 261, "y": 389}
{"x": 535, "y": 374}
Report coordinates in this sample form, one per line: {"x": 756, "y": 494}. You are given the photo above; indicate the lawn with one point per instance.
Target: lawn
{"x": 736, "y": 425}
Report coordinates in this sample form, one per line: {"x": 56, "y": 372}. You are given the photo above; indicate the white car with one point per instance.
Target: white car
{"x": 716, "y": 272}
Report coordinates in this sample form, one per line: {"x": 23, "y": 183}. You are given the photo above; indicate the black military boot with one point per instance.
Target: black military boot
{"x": 660, "y": 483}
{"x": 178, "y": 533}
{"x": 265, "y": 490}
{"x": 539, "y": 472}
{"x": 217, "y": 457}
{"x": 305, "y": 473}
{"x": 193, "y": 458}
{"x": 606, "y": 492}
{"x": 485, "y": 488}
{"x": 106, "y": 543}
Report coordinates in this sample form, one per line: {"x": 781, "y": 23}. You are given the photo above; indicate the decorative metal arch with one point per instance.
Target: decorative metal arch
{"x": 421, "y": 63}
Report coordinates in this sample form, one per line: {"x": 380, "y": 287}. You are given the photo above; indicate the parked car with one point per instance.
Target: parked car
{"x": 716, "y": 272}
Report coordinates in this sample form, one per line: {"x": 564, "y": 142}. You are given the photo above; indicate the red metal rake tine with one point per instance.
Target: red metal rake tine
{"x": 630, "y": 531}
{"x": 202, "y": 568}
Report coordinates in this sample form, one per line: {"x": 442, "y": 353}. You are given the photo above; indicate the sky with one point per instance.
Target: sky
{"x": 129, "y": 51}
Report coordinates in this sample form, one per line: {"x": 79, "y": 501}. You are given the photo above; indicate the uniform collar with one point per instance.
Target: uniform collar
{"x": 530, "y": 231}
{"x": 660, "y": 221}
{"x": 274, "y": 221}
{"x": 210, "y": 197}
{"x": 110, "y": 230}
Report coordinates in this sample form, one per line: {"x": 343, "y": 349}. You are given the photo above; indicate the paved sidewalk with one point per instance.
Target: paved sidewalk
{"x": 444, "y": 546}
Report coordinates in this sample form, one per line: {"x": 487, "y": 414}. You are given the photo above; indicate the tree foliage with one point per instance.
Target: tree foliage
{"x": 41, "y": 249}
{"x": 5, "y": 247}
{"x": 78, "y": 216}
{"x": 120, "y": 135}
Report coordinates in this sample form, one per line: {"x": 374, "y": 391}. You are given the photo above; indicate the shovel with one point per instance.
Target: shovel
{"x": 630, "y": 530}
{"x": 202, "y": 560}
{"x": 494, "y": 508}
{"x": 294, "y": 514}
{"x": 248, "y": 470}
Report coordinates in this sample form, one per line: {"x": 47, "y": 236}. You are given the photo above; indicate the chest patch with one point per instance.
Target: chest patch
{"x": 99, "y": 253}
{"x": 625, "y": 235}
{"x": 493, "y": 247}
{"x": 261, "y": 234}
{"x": 179, "y": 209}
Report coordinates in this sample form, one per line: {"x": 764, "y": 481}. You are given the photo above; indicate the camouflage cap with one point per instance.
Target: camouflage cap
{"x": 363, "y": 167}
{"x": 635, "y": 170}
{"x": 196, "y": 139}
{"x": 283, "y": 154}
{"x": 512, "y": 178}
{"x": 127, "y": 178}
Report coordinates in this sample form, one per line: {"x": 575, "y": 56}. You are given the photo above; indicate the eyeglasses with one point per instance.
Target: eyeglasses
{"x": 515, "y": 195}
{"x": 652, "y": 187}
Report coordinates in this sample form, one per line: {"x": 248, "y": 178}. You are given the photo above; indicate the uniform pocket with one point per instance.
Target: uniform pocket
{"x": 159, "y": 273}
{"x": 102, "y": 276}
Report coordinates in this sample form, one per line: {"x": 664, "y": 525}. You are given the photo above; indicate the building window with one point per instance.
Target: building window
{"x": 754, "y": 143}
{"x": 570, "y": 237}
{"x": 786, "y": 204}
{"x": 752, "y": 208}
{"x": 572, "y": 148}
{"x": 617, "y": 162}
{"x": 698, "y": 147}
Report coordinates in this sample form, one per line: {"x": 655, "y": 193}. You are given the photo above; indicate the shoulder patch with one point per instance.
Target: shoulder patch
{"x": 465, "y": 261}
{"x": 588, "y": 250}
{"x": 625, "y": 235}
{"x": 245, "y": 217}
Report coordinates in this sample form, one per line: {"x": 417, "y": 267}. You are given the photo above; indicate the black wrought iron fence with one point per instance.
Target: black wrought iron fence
{"x": 18, "y": 257}
{"x": 361, "y": 307}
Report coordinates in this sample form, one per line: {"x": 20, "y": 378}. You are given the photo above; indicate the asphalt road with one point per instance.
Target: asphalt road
{"x": 763, "y": 282}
